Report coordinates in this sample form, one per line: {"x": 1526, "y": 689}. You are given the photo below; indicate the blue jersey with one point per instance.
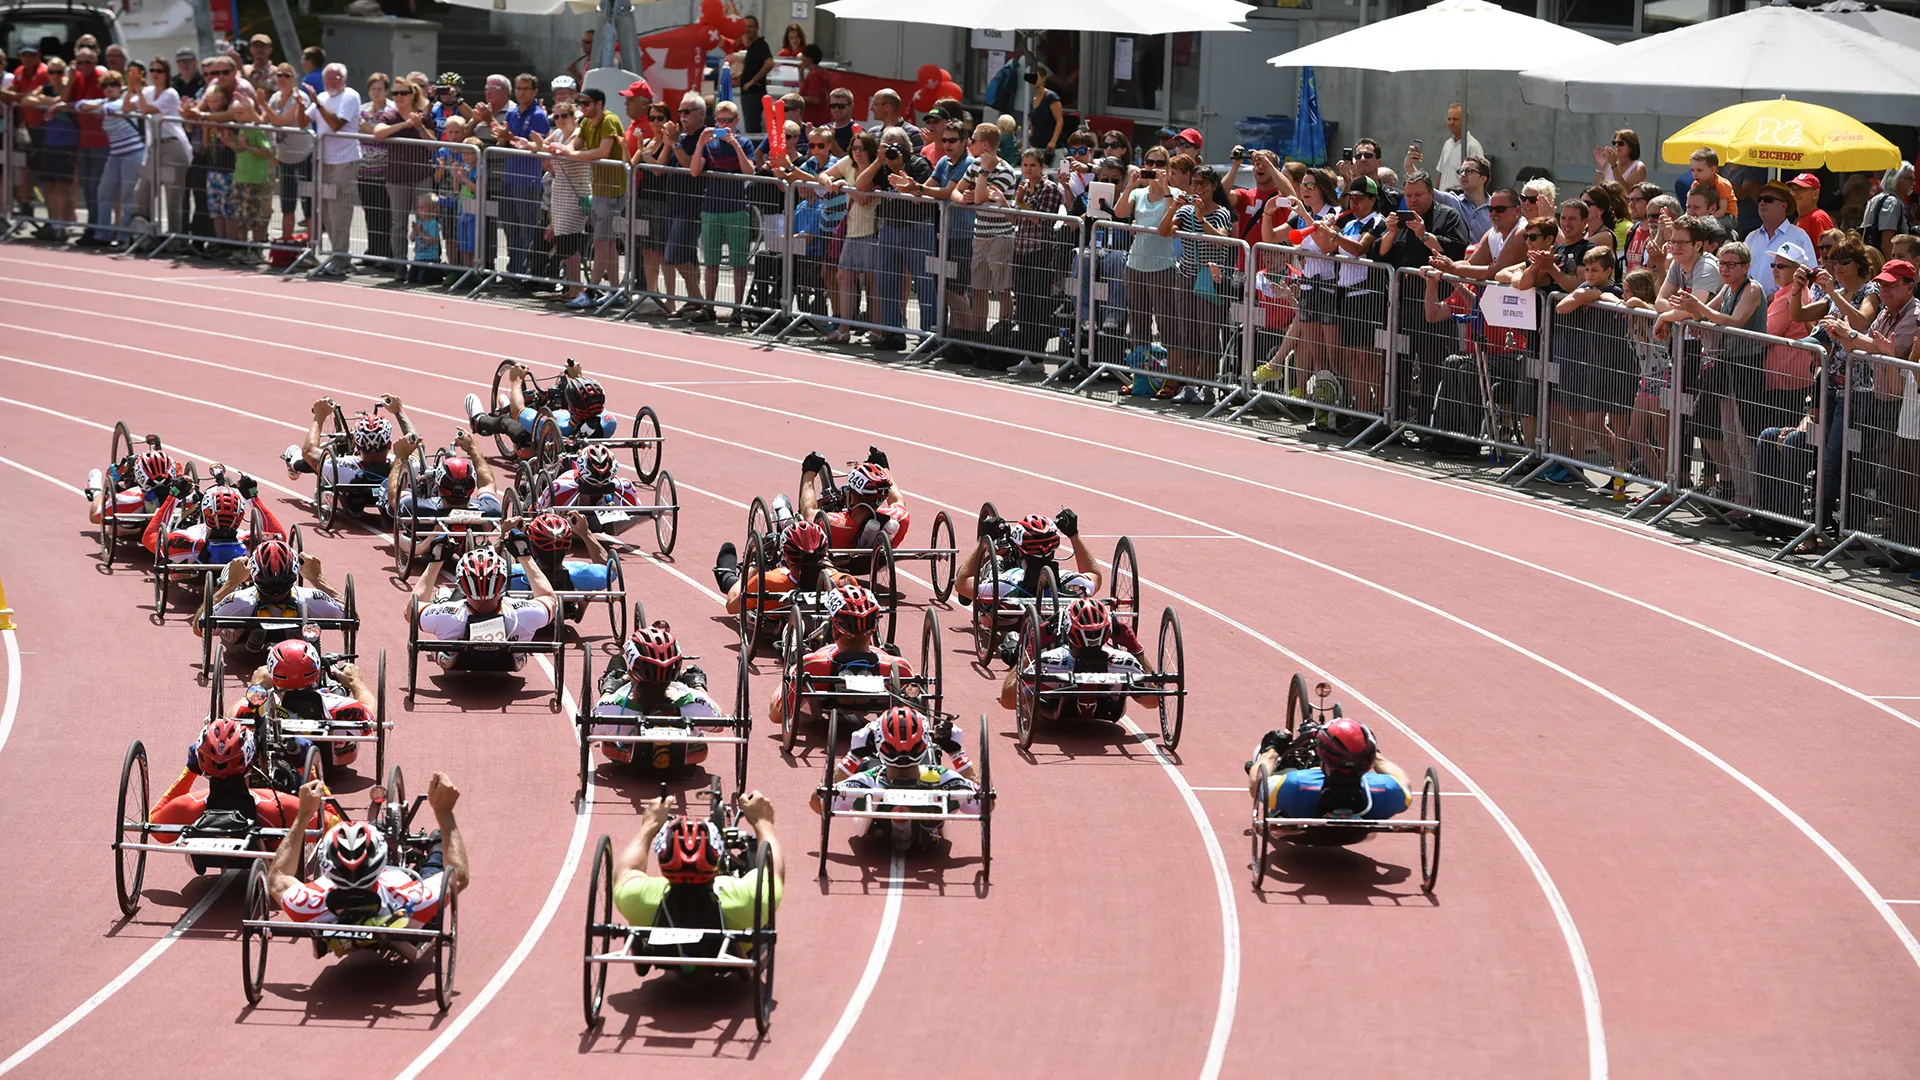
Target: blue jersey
{"x": 224, "y": 551}
{"x": 1296, "y": 794}
{"x": 587, "y": 577}
{"x": 603, "y": 426}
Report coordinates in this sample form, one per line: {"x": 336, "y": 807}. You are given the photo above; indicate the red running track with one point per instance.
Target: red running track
{"x": 1653, "y": 866}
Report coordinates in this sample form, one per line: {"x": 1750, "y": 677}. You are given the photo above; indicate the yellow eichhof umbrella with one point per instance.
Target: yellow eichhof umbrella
{"x": 1786, "y": 135}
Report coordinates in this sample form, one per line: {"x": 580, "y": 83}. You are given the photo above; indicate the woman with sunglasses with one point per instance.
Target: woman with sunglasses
{"x": 171, "y": 152}
{"x": 287, "y": 108}
{"x": 1620, "y": 160}
{"x": 1152, "y": 259}
{"x": 1313, "y": 341}
{"x": 1731, "y": 375}
{"x": 372, "y": 184}
{"x": 651, "y": 185}
{"x": 404, "y": 129}
{"x": 1204, "y": 283}
{"x": 1790, "y": 371}
{"x": 858, "y": 256}
{"x": 1077, "y": 164}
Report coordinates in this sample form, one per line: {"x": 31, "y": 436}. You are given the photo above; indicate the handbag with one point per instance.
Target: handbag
{"x": 1226, "y": 290}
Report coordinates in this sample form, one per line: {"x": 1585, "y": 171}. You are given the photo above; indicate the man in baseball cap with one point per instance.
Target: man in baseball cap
{"x": 639, "y": 90}
{"x": 1806, "y": 201}
{"x": 1191, "y": 138}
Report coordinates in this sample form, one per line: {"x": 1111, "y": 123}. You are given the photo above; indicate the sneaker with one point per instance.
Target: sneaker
{"x": 1186, "y": 396}
{"x": 1025, "y": 365}
{"x": 474, "y": 411}
{"x": 1010, "y": 646}
{"x": 292, "y": 456}
{"x": 94, "y": 480}
{"x": 1268, "y": 373}
{"x": 583, "y": 302}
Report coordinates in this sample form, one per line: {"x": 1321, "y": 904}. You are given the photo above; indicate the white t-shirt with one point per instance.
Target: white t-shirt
{"x": 168, "y": 102}
{"x": 518, "y": 620}
{"x": 346, "y": 105}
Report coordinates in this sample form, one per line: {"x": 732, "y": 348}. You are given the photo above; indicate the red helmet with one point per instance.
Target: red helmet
{"x": 372, "y": 434}
{"x": 854, "y": 611}
{"x": 869, "y": 481}
{"x": 455, "y": 480}
{"x": 153, "y": 466}
{"x": 226, "y": 749}
{"x": 689, "y": 851}
{"x": 223, "y": 508}
{"x": 293, "y": 664}
{"x": 586, "y": 398}
{"x": 1346, "y": 747}
{"x": 273, "y": 566}
{"x": 550, "y": 532}
{"x": 595, "y": 468}
{"x": 652, "y": 654}
{"x": 352, "y": 854}
{"x": 903, "y": 736}
{"x": 1089, "y": 624}
{"x": 483, "y": 574}
{"x": 805, "y": 544}
{"x": 1037, "y": 537}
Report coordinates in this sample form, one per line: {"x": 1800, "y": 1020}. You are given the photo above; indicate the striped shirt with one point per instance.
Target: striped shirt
{"x": 123, "y": 132}
{"x": 989, "y": 223}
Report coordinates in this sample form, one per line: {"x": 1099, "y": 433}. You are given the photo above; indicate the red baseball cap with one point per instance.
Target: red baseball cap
{"x": 638, "y": 89}
{"x": 1190, "y": 135}
{"x": 1805, "y": 180}
{"x": 1896, "y": 270}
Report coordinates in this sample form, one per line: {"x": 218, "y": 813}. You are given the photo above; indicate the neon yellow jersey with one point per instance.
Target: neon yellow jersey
{"x": 639, "y": 897}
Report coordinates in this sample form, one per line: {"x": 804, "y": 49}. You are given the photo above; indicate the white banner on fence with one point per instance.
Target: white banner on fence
{"x": 1504, "y": 305}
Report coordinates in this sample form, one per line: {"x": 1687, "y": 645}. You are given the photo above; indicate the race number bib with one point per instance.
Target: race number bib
{"x": 613, "y": 517}
{"x": 674, "y": 935}
{"x": 465, "y": 516}
{"x": 1103, "y": 678}
{"x": 912, "y": 797}
{"x": 863, "y": 684}
{"x": 492, "y": 630}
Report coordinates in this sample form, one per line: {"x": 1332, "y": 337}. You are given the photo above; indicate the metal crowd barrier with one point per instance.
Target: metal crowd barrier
{"x": 1186, "y": 331}
{"x": 226, "y": 214}
{"x": 1879, "y": 468}
{"x": 1034, "y": 318}
{"x": 430, "y": 209}
{"x": 889, "y": 280}
{"x": 704, "y": 243}
{"x": 82, "y": 203}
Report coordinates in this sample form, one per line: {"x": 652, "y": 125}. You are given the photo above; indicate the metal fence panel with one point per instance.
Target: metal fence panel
{"x": 1033, "y": 318}
{"x": 60, "y": 187}
{"x": 716, "y": 240}
{"x": 424, "y": 218}
{"x": 1610, "y": 397}
{"x": 223, "y": 197}
{"x": 881, "y": 266}
{"x": 1879, "y": 467}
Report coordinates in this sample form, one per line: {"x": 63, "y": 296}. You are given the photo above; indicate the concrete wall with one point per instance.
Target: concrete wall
{"x": 896, "y": 49}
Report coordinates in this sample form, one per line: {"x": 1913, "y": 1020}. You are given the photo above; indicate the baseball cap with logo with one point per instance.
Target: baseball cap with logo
{"x": 1895, "y": 271}
{"x": 1805, "y": 180}
{"x": 639, "y": 89}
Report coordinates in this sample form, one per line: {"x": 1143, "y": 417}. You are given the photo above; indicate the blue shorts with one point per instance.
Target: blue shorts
{"x": 607, "y": 424}
{"x": 469, "y": 231}
{"x": 683, "y": 242}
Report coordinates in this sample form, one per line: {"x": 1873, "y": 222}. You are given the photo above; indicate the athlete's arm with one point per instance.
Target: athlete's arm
{"x": 238, "y": 576}
{"x": 538, "y": 584}
{"x": 596, "y": 551}
{"x": 1084, "y": 562}
{"x": 758, "y": 813}
{"x": 482, "y": 471}
{"x": 516, "y": 390}
{"x": 1010, "y": 688}
{"x": 316, "y": 578}
{"x": 403, "y": 448}
{"x": 430, "y": 577}
{"x": 441, "y": 795}
{"x": 281, "y": 873}
{"x": 355, "y": 684}
{"x": 632, "y": 859}
{"x": 394, "y": 406}
{"x": 1382, "y": 765}
{"x": 310, "y": 447}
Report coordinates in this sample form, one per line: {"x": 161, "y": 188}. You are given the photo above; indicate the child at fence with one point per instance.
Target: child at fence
{"x": 468, "y": 196}
{"x": 425, "y": 239}
{"x": 1597, "y": 369}
{"x": 253, "y": 158}
{"x": 1647, "y": 431}
{"x": 449, "y": 162}
{"x": 220, "y": 161}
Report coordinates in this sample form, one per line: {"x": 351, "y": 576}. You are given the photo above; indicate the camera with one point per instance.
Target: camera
{"x": 1405, "y": 216}
{"x": 1346, "y": 153}
{"x": 893, "y": 153}
{"x": 1149, "y": 174}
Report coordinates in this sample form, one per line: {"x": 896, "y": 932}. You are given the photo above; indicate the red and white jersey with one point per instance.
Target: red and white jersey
{"x": 565, "y": 491}
{"x": 335, "y": 708}
{"x": 829, "y": 660}
{"x": 400, "y": 894}
{"x": 310, "y": 602}
{"x": 518, "y": 619}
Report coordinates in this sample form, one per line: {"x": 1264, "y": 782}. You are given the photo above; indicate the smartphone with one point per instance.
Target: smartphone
{"x": 1418, "y": 145}
{"x": 1346, "y": 153}
{"x": 1149, "y": 174}
{"x": 1405, "y": 216}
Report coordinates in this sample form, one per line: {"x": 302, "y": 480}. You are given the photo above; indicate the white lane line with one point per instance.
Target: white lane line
{"x": 1639, "y": 530}
{"x": 570, "y": 867}
{"x": 12, "y": 707}
{"x": 100, "y": 996}
{"x": 1896, "y": 697}
{"x": 1903, "y": 901}
{"x": 869, "y": 976}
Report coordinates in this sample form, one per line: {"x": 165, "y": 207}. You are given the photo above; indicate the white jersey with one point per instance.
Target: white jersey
{"x": 681, "y": 700}
{"x": 449, "y": 619}
{"x": 1057, "y": 664}
{"x": 949, "y": 792}
{"x": 306, "y": 601}
{"x": 865, "y": 744}
{"x": 486, "y": 503}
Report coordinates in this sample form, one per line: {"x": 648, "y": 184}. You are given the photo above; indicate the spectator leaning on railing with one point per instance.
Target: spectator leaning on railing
{"x": 988, "y": 188}
{"x": 1202, "y": 285}
{"x": 906, "y": 240}
{"x": 1039, "y": 253}
{"x": 171, "y": 153}
{"x": 337, "y": 108}
{"x": 948, "y": 171}
{"x": 724, "y": 220}
{"x": 857, "y": 257}
{"x": 403, "y": 126}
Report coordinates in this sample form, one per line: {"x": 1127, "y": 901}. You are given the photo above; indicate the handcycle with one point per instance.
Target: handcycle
{"x": 416, "y": 476}
{"x": 688, "y": 937}
{"x": 224, "y": 838}
{"x": 262, "y": 631}
{"x": 1167, "y": 682}
{"x": 909, "y": 806}
{"x": 733, "y": 730}
{"x": 993, "y": 618}
{"x": 575, "y": 602}
{"x": 276, "y": 722}
{"x": 855, "y": 693}
{"x": 332, "y": 497}
{"x": 531, "y": 482}
{"x": 1305, "y": 716}
{"x": 548, "y": 445}
{"x": 407, "y": 847}
{"x": 184, "y": 513}
{"x": 490, "y": 641}
{"x": 762, "y": 610}
{"x": 878, "y": 563}
{"x": 118, "y": 526}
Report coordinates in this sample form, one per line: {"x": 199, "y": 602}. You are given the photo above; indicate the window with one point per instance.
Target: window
{"x": 1138, "y": 69}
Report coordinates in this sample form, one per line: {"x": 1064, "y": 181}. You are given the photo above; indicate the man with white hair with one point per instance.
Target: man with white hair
{"x": 683, "y": 208}
{"x": 337, "y": 108}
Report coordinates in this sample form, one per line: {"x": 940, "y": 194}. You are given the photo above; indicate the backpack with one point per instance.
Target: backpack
{"x": 1874, "y": 233}
{"x": 1000, "y": 89}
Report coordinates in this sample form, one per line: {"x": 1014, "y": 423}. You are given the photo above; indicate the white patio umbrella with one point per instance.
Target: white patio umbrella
{"x": 1452, "y": 35}
{"x": 1143, "y": 17}
{"x": 530, "y": 7}
{"x": 1878, "y": 21}
{"x": 1757, "y": 54}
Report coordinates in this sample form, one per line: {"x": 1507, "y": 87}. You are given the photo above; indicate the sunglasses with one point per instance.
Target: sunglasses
{"x": 1159, "y": 163}
{"x": 1636, "y": 198}
{"x": 1366, "y": 157}
{"x": 1785, "y": 267}
{"x": 689, "y": 109}
{"x": 1077, "y": 151}
{"x": 1824, "y": 249}
{"x": 950, "y": 140}
{"x": 1724, "y": 261}
{"x": 1770, "y": 198}
{"x": 839, "y": 104}
{"x": 1498, "y": 209}
{"x": 1843, "y": 260}
{"x": 1540, "y": 236}
{"x": 1529, "y": 198}
{"x": 1114, "y": 145}
{"x": 818, "y": 144}
{"x": 1619, "y": 142}
{"x": 405, "y": 91}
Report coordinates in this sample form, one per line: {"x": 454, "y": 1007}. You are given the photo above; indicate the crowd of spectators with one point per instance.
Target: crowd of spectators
{"x": 577, "y": 180}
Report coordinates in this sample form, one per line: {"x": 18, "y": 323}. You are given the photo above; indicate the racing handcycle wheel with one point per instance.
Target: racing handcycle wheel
{"x": 130, "y": 867}
{"x": 1172, "y": 660}
{"x": 446, "y": 947}
{"x": 763, "y": 940}
{"x": 1430, "y": 801}
{"x": 940, "y": 538}
{"x": 1262, "y": 841}
{"x": 1125, "y": 589}
{"x": 1027, "y": 663}
{"x": 792, "y": 652}
{"x": 666, "y": 522}
{"x": 254, "y": 939}
{"x": 987, "y": 799}
{"x": 646, "y": 457}
{"x": 600, "y": 931}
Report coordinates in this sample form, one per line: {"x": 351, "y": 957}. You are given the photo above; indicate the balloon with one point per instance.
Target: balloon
{"x": 733, "y": 26}
{"x": 776, "y": 113}
{"x": 931, "y": 76}
{"x": 712, "y": 12}
{"x": 948, "y": 90}
{"x": 1294, "y": 236}
{"x": 924, "y": 98}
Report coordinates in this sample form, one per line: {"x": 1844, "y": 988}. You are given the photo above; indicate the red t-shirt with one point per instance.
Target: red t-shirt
{"x": 26, "y": 82}
{"x": 815, "y": 86}
{"x": 1815, "y": 224}
{"x": 83, "y": 83}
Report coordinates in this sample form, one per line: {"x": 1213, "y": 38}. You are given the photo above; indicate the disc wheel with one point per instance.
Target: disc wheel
{"x": 987, "y": 799}
{"x": 933, "y": 664}
{"x": 764, "y": 940}
{"x": 743, "y": 715}
{"x": 646, "y": 458}
{"x": 883, "y": 581}
{"x": 109, "y": 526}
{"x": 1172, "y": 660}
{"x": 380, "y": 718}
{"x": 600, "y": 931}
{"x": 753, "y": 597}
{"x": 1297, "y": 704}
{"x": 254, "y": 939}
{"x": 130, "y": 867}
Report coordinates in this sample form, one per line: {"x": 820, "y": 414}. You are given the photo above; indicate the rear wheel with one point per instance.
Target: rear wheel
{"x": 985, "y": 608}
{"x": 1172, "y": 660}
{"x": 987, "y": 799}
{"x": 546, "y": 439}
{"x": 1125, "y": 589}
{"x": 883, "y": 581}
{"x": 380, "y": 718}
{"x": 763, "y": 945}
{"x": 646, "y": 459}
{"x": 1027, "y": 662}
{"x": 1296, "y": 704}
{"x": 743, "y": 715}
{"x": 616, "y": 600}
{"x": 791, "y": 653}
{"x": 326, "y": 501}
{"x": 941, "y": 539}
{"x": 753, "y": 571}
{"x": 666, "y": 523}
{"x": 1260, "y": 837}
{"x": 130, "y": 867}
{"x": 109, "y": 525}
{"x": 254, "y": 939}
{"x": 502, "y": 443}
{"x": 933, "y": 664}
{"x": 600, "y": 931}
{"x": 446, "y": 948}
{"x": 1430, "y": 851}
